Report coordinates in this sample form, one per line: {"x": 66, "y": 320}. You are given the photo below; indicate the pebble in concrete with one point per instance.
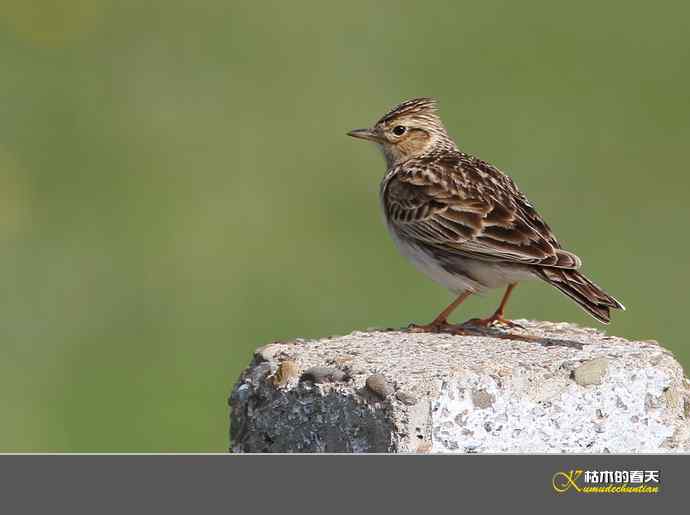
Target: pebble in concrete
{"x": 379, "y": 386}
{"x": 318, "y": 375}
{"x": 591, "y": 372}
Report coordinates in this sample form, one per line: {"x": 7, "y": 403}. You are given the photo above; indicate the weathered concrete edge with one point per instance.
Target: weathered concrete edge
{"x": 415, "y": 417}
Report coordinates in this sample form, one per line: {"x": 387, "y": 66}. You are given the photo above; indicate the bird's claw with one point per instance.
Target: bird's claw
{"x": 495, "y": 320}
{"x": 437, "y": 327}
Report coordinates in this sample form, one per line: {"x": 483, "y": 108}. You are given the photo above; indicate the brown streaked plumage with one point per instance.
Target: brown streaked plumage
{"x": 465, "y": 223}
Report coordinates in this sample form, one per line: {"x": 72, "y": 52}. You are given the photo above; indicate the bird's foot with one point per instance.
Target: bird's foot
{"x": 496, "y": 320}
{"x": 438, "y": 327}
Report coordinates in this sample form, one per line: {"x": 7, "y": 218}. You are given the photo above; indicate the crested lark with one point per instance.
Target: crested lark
{"x": 463, "y": 222}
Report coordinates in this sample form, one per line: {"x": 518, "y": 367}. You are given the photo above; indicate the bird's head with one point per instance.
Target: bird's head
{"x": 409, "y": 130}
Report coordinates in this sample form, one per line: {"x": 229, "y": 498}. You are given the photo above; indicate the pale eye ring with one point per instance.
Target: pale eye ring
{"x": 399, "y": 130}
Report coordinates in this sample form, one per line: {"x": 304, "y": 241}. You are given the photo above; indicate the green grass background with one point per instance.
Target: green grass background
{"x": 176, "y": 186}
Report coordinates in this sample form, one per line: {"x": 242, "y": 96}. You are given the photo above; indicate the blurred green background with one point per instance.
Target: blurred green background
{"x": 176, "y": 187}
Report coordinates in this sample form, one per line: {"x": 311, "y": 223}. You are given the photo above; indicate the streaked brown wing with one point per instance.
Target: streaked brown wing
{"x": 464, "y": 205}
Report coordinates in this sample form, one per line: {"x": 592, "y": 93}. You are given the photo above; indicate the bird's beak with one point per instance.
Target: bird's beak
{"x": 367, "y": 134}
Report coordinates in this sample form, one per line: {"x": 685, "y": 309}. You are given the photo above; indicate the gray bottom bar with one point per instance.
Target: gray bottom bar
{"x": 353, "y": 484}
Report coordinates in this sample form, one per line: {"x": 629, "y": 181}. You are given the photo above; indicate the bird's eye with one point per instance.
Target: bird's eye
{"x": 399, "y": 130}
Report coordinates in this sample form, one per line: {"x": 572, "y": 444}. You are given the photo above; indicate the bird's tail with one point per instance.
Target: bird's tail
{"x": 591, "y": 297}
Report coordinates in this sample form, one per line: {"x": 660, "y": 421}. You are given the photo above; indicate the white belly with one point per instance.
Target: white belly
{"x": 481, "y": 275}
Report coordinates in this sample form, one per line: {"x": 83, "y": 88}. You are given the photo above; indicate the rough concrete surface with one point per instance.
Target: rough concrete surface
{"x": 572, "y": 389}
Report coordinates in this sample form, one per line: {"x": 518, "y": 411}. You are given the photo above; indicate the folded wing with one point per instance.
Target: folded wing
{"x": 464, "y": 205}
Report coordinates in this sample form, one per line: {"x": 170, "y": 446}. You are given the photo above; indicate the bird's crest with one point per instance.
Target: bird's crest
{"x": 421, "y": 108}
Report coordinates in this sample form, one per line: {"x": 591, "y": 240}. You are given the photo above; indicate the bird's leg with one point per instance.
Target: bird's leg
{"x": 440, "y": 323}
{"x": 497, "y": 317}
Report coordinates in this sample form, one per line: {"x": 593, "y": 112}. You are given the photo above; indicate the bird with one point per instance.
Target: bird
{"x": 464, "y": 223}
